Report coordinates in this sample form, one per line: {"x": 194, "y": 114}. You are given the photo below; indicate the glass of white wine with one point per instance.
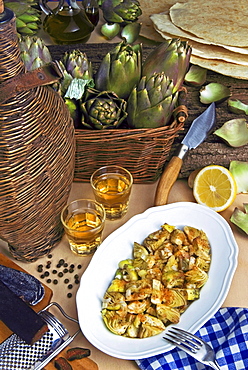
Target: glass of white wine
{"x": 83, "y": 221}
{"x": 112, "y": 188}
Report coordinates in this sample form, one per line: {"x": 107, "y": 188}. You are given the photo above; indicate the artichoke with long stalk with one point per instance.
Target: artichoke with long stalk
{"x": 120, "y": 11}
{"x": 171, "y": 57}
{"x": 102, "y": 110}
{"x": 120, "y": 70}
{"x": 151, "y": 103}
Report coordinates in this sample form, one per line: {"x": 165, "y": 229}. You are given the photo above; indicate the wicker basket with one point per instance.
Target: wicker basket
{"x": 37, "y": 155}
{"x": 142, "y": 151}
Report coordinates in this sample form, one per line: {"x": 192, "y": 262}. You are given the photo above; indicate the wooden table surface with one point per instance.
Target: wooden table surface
{"x": 142, "y": 198}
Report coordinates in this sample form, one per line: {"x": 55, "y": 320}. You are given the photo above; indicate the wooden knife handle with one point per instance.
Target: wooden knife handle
{"x": 167, "y": 179}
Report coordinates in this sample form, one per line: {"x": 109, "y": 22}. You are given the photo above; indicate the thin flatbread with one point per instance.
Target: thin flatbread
{"x": 206, "y": 51}
{"x": 162, "y": 23}
{"x": 222, "y": 67}
{"x": 148, "y": 8}
{"x": 223, "y": 22}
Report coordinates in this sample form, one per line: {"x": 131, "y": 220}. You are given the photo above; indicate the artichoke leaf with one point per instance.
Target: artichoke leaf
{"x": 240, "y": 218}
{"x": 234, "y": 132}
{"x": 239, "y": 171}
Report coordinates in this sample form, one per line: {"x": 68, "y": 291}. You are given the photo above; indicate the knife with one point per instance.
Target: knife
{"x": 196, "y": 134}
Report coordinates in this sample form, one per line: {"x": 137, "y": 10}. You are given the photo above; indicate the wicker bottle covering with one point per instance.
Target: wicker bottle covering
{"x": 37, "y": 155}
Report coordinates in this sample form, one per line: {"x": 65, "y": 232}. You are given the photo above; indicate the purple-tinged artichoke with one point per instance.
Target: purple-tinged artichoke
{"x": 77, "y": 64}
{"x": 102, "y": 110}
{"x": 120, "y": 70}
{"x": 151, "y": 103}
{"x": 120, "y": 11}
{"x": 171, "y": 57}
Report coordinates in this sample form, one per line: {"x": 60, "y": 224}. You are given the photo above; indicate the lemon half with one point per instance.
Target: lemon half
{"x": 215, "y": 187}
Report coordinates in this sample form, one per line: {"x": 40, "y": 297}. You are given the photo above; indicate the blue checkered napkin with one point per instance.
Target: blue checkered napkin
{"x": 226, "y": 332}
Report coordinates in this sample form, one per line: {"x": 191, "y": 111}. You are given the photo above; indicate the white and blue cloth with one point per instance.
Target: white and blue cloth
{"x": 226, "y": 332}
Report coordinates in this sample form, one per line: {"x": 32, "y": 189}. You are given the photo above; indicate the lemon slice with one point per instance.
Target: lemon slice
{"x": 215, "y": 187}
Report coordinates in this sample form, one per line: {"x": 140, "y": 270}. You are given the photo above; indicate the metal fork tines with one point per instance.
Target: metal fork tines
{"x": 192, "y": 345}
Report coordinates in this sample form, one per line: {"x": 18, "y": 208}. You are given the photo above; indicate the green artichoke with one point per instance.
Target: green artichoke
{"x": 102, "y": 109}
{"x": 171, "y": 57}
{"x": 151, "y": 103}
{"x": 34, "y": 52}
{"x": 120, "y": 11}
{"x": 120, "y": 70}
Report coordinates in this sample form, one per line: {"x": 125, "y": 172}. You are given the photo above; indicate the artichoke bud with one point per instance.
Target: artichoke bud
{"x": 151, "y": 103}
{"x": 120, "y": 70}
{"x": 77, "y": 64}
{"x": 171, "y": 57}
{"x": 102, "y": 109}
{"x": 120, "y": 11}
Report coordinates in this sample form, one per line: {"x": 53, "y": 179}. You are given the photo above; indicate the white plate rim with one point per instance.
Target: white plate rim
{"x": 112, "y": 344}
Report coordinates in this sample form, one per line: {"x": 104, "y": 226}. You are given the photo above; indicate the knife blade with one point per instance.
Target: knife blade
{"x": 196, "y": 134}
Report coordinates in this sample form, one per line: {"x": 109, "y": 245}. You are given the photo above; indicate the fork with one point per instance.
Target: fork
{"x": 192, "y": 345}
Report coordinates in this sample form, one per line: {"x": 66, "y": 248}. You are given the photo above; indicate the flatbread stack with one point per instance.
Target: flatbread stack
{"x": 217, "y": 31}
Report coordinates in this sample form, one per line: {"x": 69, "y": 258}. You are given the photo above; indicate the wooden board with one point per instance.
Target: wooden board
{"x": 4, "y": 330}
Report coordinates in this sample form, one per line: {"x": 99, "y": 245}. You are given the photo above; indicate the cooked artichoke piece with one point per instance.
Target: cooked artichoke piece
{"x": 117, "y": 285}
{"x": 201, "y": 248}
{"x": 139, "y": 251}
{"x": 190, "y": 294}
{"x": 154, "y": 240}
{"x": 172, "y": 264}
{"x": 196, "y": 278}
{"x": 151, "y": 325}
{"x": 173, "y": 298}
{"x": 202, "y": 264}
{"x": 178, "y": 237}
{"x": 166, "y": 313}
{"x": 123, "y": 263}
{"x": 168, "y": 227}
{"x": 129, "y": 273}
{"x": 183, "y": 257}
{"x": 192, "y": 233}
{"x": 138, "y": 306}
{"x": 113, "y": 301}
{"x": 157, "y": 291}
{"x": 115, "y": 323}
{"x": 134, "y": 325}
{"x": 154, "y": 273}
{"x": 165, "y": 251}
{"x": 138, "y": 290}
{"x": 172, "y": 279}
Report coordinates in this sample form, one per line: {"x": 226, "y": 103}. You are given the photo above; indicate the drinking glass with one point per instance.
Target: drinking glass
{"x": 112, "y": 188}
{"x": 83, "y": 221}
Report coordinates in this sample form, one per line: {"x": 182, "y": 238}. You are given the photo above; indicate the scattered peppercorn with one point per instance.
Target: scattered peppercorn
{"x": 40, "y": 268}
{"x": 46, "y": 273}
{"x": 54, "y": 272}
{"x": 65, "y": 264}
{"x": 55, "y": 281}
{"x": 66, "y": 281}
{"x": 70, "y": 286}
{"x": 79, "y": 267}
{"x": 42, "y": 276}
{"x": 69, "y": 295}
{"x": 49, "y": 255}
{"x": 61, "y": 261}
{"x": 65, "y": 271}
{"x": 49, "y": 281}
